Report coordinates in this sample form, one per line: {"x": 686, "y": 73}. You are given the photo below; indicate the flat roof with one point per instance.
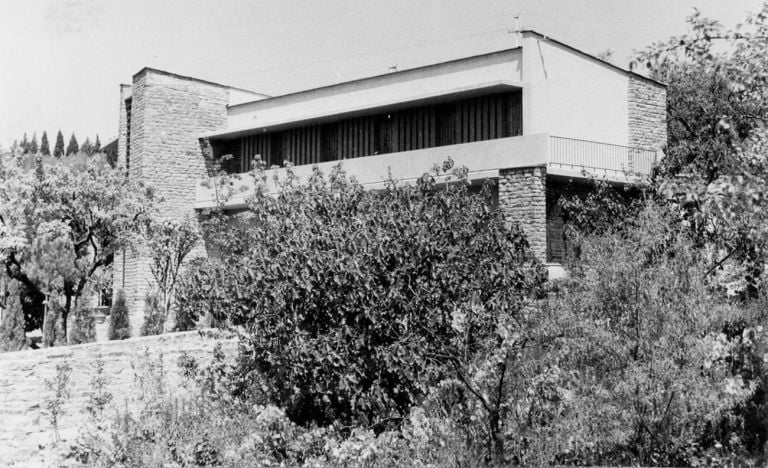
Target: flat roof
{"x": 192, "y": 78}
{"x": 461, "y": 59}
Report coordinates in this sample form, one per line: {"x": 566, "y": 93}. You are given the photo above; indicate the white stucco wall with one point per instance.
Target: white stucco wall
{"x": 496, "y": 70}
{"x": 571, "y": 95}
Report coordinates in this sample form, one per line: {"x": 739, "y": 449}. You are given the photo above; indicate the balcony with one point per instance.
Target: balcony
{"x": 563, "y": 157}
{"x": 569, "y": 156}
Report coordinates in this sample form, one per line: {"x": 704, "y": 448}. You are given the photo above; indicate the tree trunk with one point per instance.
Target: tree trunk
{"x": 65, "y": 314}
{"x": 497, "y": 438}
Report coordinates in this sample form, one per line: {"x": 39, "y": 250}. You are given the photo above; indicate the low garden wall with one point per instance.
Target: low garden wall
{"x": 25, "y": 427}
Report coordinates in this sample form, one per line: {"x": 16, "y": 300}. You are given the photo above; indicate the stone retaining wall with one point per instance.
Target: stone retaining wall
{"x": 24, "y": 426}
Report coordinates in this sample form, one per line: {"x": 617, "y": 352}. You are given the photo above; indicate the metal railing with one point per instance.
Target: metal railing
{"x": 594, "y": 156}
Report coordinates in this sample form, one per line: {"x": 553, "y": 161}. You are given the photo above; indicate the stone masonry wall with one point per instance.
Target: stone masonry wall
{"x": 647, "y": 110}
{"x": 24, "y": 426}
{"x": 522, "y": 199}
{"x": 168, "y": 113}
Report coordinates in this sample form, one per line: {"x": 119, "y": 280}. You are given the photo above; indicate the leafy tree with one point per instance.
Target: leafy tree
{"x": 169, "y": 244}
{"x": 97, "y": 144}
{"x": 717, "y": 91}
{"x": 58, "y": 148}
{"x": 33, "y": 148}
{"x": 640, "y": 341}
{"x": 63, "y": 221}
{"x": 45, "y": 149}
{"x": 12, "y": 334}
{"x": 83, "y": 328}
{"x": 72, "y": 147}
{"x": 354, "y": 303}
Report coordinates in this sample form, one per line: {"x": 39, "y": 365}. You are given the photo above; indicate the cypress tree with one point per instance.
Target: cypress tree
{"x": 119, "y": 325}
{"x": 12, "y": 336}
{"x": 45, "y": 149}
{"x": 72, "y": 147}
{"x": 58, "y": 149}
{"x": 83, "y": 326}
{"x": 97, "y": 145}
{"x": 33, "y": 144}
{"x": 25, "y": 144}
{"x": 86, "y": 147}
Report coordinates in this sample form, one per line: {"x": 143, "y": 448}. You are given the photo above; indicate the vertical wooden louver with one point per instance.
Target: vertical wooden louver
{"x": 463, "y": 121}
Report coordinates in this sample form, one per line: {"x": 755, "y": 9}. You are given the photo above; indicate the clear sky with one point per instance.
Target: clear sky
{"x": 61, "y": 61}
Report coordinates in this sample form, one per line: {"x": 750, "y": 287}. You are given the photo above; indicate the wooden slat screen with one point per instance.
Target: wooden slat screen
{"x": 464, "y": 121}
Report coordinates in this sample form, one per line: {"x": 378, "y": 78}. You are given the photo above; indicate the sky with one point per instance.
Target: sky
{"x": 61, "y": 61}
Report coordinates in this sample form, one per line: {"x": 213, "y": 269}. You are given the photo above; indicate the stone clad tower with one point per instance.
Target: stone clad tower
{"x": 162, "y": 116}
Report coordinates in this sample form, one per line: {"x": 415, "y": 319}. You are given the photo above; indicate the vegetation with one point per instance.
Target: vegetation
{"x": 411, "y": 326}
{"x": 12, "y": 332}
{"x": 63, "y": 220}
{"x": 83, "y": 326}
{"x": 119, "y": 324}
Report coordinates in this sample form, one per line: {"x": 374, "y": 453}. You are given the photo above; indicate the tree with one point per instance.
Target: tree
{"x": 12, "y": 335}
{"x": 83, "y": 326}
{"x": 355, "y": 303}
{"x": 33, "y": 148}
{"x": 58, "y": 149}
{"x": 119, "y": 324}
{"x": 86, "y": 147}
{"x": 97, "y": 144}
{"x": 169, "y": 243}
{"x": 25, "y": 144}
{"x": 717, "y": 92}
{"x": 63, "y": 222}
{"x": 45, "y": 149}
{"x": 72, "y": 147}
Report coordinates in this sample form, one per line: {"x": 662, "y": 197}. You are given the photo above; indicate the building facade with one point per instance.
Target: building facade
{"x": 532, "y": 118}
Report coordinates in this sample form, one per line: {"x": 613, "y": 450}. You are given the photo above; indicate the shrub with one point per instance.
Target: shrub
{"x": 356, "y": 302}
{"x": 154, "y": 315}
{"x": 53, "y": 327}
{"x": 119, "y": 325}
{"x": 12, "y": 336}
{"x": 83, "y": 326}
{"x": 649, "y": 371}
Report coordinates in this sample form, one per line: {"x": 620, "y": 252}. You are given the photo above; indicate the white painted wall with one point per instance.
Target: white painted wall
{"x": 483, "y": 159}
{"x": 571, "y": 95}
{"x": 497, "y": 69}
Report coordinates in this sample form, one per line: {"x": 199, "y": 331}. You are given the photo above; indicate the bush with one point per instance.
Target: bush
{"x": 356, "y": 302}
{"x": 154, "y": 315}
{"x": 12, "y": 336}
{"x": 119, "y": 325}
{"x": 83, "y": 328}
{"x": 53, "y": 327}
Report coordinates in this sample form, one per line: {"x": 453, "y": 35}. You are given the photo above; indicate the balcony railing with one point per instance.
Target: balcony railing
{"x": 601, "y": 158}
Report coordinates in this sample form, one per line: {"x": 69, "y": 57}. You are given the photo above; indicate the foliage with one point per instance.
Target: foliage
{"x": 58, "y": 148}
{"x": 58, "y": 393}
{"x": 650, "y": 370}
{"x": 33, "y": 148}
{"x": 72, "y": 147}
{"x": 169, "y": 243}
{"x": 53, "y": 326}
{"x": 717, "y": 91}
{"x": 83, "y": 329}
{"x": 154, "y": 315}
{"x": 64, "y": 220}
{"x": 99, "y": 397}
{"x": 354, "y": 303}
{"x": 45, "y": 148}
{"x": 12, "y": 335}
{"x": 119, "y": 324}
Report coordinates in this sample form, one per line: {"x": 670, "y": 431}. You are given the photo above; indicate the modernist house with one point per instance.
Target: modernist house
{"x": 530, "y": 118}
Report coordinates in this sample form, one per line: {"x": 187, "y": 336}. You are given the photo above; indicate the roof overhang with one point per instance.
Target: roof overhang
{"x": 366, "y": 108}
